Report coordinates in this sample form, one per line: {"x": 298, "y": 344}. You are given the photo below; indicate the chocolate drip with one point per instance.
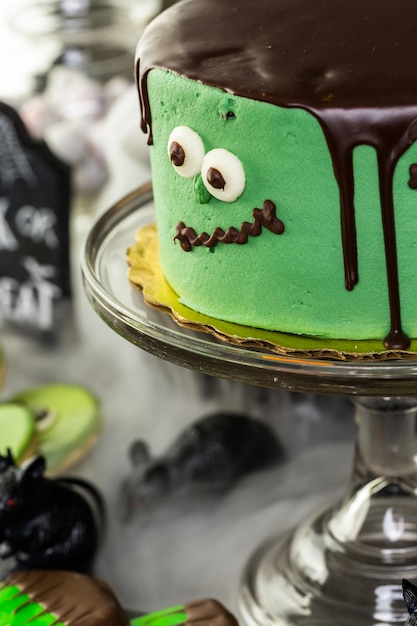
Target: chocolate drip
{"x": 261, "y": 217}
{"x": 412, "y": 183}
{"x": 342, "y": 154}
{"x": 390, "y": 133}
{"x": 350, "y": 63}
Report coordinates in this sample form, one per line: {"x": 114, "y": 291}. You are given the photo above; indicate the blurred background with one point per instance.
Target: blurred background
{"x": 66, "y": 69}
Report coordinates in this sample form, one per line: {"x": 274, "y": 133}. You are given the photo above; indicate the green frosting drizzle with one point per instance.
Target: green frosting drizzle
{"x": 166, "y": 617}
{"x": 16, "y": 609}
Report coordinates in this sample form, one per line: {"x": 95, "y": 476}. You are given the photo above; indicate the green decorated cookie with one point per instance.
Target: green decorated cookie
{"x": 68, "y": 421}
{"x": 58, "y": 598}
{"x": 17, "y": 610}
{"x": 204, "y": 612}
{"x": 173, "y": 616}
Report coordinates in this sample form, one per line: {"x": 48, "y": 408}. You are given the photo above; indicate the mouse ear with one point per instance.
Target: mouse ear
{"x": 6, "y": 461}
{"x": 139, "y": 452}
{"x": 34, "y": 468}
{"x": 410, "y": 596}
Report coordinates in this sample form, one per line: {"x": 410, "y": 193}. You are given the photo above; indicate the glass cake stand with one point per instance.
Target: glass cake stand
{"x": 344, "y": 565}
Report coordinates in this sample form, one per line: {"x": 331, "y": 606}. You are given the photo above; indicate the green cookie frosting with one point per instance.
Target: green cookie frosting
{"x": 292, "y": 282}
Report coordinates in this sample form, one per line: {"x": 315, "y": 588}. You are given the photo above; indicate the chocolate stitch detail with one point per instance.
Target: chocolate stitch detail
{"x": 265, "y": 217}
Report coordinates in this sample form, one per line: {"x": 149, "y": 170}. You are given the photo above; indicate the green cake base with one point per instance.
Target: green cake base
{"x": 145, "y": 274}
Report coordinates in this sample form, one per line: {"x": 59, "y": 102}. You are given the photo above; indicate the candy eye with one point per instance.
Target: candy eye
{"x": 223, "y": 175}
{"x": 185, "y": 151}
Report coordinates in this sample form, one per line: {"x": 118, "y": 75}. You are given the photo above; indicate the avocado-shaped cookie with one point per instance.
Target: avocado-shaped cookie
{"x": 68, "y": 421}
{"x": 58, "y": 598}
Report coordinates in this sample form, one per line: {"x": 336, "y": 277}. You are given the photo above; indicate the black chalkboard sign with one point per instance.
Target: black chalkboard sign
{"x": 35, "y": 194}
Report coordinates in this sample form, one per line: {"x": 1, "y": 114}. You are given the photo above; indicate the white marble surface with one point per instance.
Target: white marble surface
{"x": 184, "y": 548}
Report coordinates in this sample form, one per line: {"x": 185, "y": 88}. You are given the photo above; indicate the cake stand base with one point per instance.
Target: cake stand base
{"x": 345, "y": 564}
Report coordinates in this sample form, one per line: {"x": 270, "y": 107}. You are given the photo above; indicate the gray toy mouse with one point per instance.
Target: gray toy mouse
{"x": 212, "y": 453}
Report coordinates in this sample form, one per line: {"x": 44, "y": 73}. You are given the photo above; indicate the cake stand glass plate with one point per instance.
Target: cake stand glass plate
{"x": 344, "y": 564}
{"x": 104, "y": 270}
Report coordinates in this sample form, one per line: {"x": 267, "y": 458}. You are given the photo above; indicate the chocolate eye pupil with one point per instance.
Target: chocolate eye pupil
{"x": 177, "y": 154}
{"x": 215, "y": 179}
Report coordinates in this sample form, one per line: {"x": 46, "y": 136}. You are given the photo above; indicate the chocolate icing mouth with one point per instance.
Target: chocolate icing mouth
{"x": 265, "y": 217}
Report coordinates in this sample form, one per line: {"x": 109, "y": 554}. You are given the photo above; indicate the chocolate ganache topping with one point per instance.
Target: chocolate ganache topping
{"x": 350, "y": 63}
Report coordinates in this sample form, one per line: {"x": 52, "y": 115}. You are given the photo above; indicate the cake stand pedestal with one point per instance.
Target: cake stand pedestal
{"x": 344, "y": 565}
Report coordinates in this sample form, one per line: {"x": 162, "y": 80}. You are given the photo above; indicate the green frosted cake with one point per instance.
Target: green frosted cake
{"x": 284, "y": 162}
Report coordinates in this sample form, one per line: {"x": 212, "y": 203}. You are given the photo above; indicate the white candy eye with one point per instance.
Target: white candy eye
{"x": 223, "y": 175}
{"x": 185, "y": 151}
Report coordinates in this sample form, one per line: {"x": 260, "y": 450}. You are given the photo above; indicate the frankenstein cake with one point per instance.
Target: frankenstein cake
{"x": 284, "y": 162}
